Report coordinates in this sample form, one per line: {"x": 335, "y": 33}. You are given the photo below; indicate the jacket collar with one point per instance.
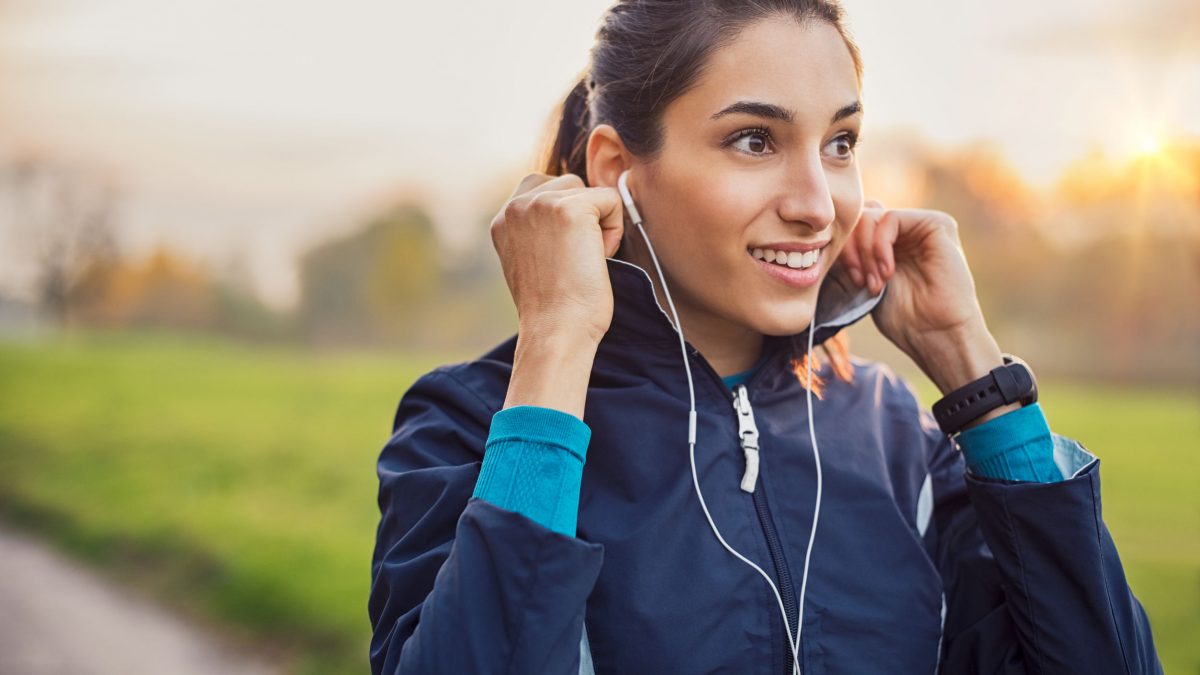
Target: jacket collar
{"x": 638, "y": 318}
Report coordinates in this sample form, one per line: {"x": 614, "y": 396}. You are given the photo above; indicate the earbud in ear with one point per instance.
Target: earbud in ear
{"x": 630, "y": 208}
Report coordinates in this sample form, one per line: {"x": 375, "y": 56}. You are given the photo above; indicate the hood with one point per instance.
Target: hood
{"x": 638, "y": 318}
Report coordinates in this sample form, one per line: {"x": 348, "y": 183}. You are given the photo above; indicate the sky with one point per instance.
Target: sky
{"x": 252, "y": 129}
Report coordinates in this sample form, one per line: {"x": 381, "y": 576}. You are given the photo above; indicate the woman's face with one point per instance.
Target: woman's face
{"x": 758, "y": 155}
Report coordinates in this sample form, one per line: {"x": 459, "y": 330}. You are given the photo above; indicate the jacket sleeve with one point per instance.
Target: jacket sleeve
{"x": 459, "y": 584}
{"x": 533, "y": 464}
{"x": 1032, "y": 579}
{"x": 1015, "y": 446}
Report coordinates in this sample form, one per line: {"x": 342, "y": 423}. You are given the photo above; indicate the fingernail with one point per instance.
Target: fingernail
{"x": 856, "y": 276}
{"x": 871, "y": 280}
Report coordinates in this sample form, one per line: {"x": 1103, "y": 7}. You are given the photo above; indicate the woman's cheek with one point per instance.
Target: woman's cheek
{"x": 716, "y": 223}
{"x": 847, "y": 201}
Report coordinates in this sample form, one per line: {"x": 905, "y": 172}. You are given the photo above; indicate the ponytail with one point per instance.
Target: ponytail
{"x": 567, "y": 149}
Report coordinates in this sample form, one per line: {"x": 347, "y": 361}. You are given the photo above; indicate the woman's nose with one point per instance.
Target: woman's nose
{"x": 807, "y": 197}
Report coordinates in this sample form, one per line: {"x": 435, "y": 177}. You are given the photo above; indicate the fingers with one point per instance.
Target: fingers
{"x": 869, "y": 255}
{"x": 539, "y": 182}
{"x": 567, "y": 195}
{"x": 851, "y": 258}
{"x": 610, "y": 213}
{"x": 529, "y": 182}
{"x": 864, "y": 239}
{"x": 884, "y": 248}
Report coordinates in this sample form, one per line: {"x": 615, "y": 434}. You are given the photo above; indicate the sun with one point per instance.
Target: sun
{"x": 1150, "y": 146}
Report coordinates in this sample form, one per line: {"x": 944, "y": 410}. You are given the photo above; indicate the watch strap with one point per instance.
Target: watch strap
{"x": 1012, "y": 382}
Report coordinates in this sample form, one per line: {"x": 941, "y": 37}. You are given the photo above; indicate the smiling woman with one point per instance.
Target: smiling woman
{"x": 700, "y": 229}
{"x": 730, "y": 163}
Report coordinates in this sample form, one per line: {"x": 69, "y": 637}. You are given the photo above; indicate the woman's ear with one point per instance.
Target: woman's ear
{"x": 607, "y": 156}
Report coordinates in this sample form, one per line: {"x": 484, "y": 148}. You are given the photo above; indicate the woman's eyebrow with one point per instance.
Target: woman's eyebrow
{"x": 758, "y": 109}
{"x": 774, "y": 112}
{"x": 847, "y": 111}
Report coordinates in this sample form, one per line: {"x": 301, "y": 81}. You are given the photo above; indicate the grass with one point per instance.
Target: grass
{"x": 238, "y": 482}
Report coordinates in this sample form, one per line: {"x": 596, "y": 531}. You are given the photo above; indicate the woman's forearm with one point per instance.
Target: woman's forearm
{"x": 537, "y": 444}
{"x": 551, "y": 370}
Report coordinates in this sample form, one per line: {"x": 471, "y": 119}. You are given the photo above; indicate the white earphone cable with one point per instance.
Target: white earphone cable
{"x": 793, "y": 643}
{"x": 812, "y": 434}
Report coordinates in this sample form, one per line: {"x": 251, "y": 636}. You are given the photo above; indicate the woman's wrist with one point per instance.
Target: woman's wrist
{"x": 551, "y": 370}
{"x": 954, "y": 359}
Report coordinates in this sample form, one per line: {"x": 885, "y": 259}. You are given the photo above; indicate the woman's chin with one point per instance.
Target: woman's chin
{"x": 787, "y": 323}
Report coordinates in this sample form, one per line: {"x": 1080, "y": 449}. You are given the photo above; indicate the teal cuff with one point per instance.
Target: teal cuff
{"x": 533, "y": 464}
{"x": 1014, "y": 446}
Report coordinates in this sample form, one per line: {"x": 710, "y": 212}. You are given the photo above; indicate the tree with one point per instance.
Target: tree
{"x": 68, "y": 216}
{"x": 375, "y": 283}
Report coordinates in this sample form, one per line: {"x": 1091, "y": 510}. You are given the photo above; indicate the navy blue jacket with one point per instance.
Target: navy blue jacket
{"x": 917, "y": 567}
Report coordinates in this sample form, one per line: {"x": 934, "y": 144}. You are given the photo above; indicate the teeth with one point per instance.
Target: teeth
{"x": 794, "y": 260}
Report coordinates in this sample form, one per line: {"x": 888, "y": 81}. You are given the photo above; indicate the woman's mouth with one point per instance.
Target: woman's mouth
{"x": 798, "y": 270}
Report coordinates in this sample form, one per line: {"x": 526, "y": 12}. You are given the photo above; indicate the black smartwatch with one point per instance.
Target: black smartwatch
{"x": 1010, "y": 383}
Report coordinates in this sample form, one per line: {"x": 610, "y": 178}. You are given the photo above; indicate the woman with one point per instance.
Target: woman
{"x": 700, "y": 230}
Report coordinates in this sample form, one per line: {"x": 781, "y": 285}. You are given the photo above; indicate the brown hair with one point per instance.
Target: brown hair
{"x": 648, "y": 53}
{"x": 837, "y": 348}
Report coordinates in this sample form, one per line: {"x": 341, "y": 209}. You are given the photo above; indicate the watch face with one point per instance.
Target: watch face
{"x": 1030, "y": 394}
{"x": 1010, "y": 359}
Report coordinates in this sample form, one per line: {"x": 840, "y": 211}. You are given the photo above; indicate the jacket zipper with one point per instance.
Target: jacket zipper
{"x": 748, "y": 432}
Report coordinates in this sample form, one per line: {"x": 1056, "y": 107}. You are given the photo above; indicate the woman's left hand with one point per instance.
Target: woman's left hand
{"x": 930, "y": 310}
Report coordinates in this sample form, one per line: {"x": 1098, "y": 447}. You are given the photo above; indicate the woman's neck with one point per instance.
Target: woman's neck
{"x": 729, "y": 348}
{"x": 727, "y": 357}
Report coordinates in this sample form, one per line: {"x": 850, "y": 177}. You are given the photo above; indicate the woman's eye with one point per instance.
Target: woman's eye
{"x": 845, "y": 145}
{"x": 752, "y": 141}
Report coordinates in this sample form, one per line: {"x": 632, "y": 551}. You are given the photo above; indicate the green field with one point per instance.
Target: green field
{"x": 238, "y": 482}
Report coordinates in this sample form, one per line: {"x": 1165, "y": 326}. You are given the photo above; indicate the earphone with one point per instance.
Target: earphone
{"x": 793, "y": 642}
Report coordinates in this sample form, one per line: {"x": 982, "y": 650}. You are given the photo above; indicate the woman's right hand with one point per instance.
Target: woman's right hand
{"x": 553, "y": 236}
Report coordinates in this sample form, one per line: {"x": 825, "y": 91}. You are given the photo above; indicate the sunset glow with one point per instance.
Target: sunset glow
{"x": 1150, "y": 146}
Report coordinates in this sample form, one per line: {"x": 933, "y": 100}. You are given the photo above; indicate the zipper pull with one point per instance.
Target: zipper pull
{"x": 748, "y": 431}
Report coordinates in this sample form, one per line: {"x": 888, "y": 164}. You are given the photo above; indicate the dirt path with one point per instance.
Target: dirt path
{"x": 58, "y": 617}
